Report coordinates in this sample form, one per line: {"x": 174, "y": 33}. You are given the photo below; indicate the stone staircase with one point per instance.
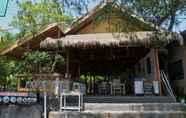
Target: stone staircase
{"x": 126, "y": 110}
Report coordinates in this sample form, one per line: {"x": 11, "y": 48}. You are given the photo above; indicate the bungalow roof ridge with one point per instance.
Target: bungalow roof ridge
{"x": 101, "y": 5}
{"x": 85, "y": 16}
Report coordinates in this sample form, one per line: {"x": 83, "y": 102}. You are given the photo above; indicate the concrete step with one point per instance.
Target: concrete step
{"x": 128, "y": 99}
{"x": 117, "y": 114}
{"x": 138, "y": 107}
{"x": 126, "y": 110}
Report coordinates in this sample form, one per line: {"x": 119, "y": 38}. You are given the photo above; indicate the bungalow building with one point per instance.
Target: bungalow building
{"x": 115, "y": 53}
{"x": 109, "y": 42}
{"x": 118, "y": 45}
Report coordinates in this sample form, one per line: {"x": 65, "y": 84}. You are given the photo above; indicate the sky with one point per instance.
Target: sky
{"x": 11, "y": 11}
{"x": 13, "y": 8}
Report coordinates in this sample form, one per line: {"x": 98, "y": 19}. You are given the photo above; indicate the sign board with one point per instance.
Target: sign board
{"x": 7, "y": 97}
{"x": 39, "y": 85}
{"x": 138, "y": 87}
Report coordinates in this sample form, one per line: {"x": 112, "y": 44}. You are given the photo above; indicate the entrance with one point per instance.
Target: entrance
{"x": 116, "y": 71}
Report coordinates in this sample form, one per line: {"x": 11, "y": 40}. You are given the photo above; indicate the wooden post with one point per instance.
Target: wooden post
{"x": 79, "y": 70}
{"x": 18, "y": 84}
{"x": 67, "y": 64}
{"x": 158, "y": 70}
{"x": 94, "y": 82}
{"x": 58, "y": 33}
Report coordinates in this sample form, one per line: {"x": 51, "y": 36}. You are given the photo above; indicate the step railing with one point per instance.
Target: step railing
{"x": 167, "y": 85}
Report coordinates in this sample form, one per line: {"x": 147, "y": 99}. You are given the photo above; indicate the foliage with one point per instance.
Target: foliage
{"x": 32, "y": 16}
{"x": 87, "y": 78}
{"x": 69, "y": 6}
{"x": 6, "y": 38}
{"x": 161, "y": 12}
{"x": 41, "y": 62}
{"x": 58, "y": 61}
{"x": 8, "y": 70}
{"x": 3, "y": 73}
{"x": 37, "y": 61}
{"x": 33, "y": 62}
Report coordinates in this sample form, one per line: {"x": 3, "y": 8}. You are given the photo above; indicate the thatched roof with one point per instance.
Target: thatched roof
{"x": 89, "y": 16}
{"x": 20, "y": 46}
{"x": 110, "y": 40}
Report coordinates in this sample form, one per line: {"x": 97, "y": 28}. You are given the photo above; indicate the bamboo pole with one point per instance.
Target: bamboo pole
{"x": 158, "y": 70}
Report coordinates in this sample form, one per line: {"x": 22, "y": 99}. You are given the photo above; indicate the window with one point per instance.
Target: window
{"x": 176, "y": 70}
{"x": 148, "y": 64}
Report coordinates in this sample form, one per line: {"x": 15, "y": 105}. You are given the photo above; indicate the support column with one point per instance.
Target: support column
{"x": 67, "y": 63}
{"x": 157, "y": 74}
{"x": 79, "y": 70}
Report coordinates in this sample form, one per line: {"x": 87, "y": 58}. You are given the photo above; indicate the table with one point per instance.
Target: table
{"x": 63, "y": 101}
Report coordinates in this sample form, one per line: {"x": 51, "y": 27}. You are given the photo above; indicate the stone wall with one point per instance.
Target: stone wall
{"x": 127, "y": 110}
{"x": 14, "y": 111}
{"x": 117, "y": 115}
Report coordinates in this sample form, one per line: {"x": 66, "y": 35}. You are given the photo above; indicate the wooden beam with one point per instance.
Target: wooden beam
{"x": 158, "y": 70}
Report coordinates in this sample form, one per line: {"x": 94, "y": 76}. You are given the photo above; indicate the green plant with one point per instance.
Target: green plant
{"x": 11, "y": 81}
{"x": 8, "y": 70}
{"x": 37, "y": 61}
{"x": 41, "y": 62}
{"x": 58, "y": 61}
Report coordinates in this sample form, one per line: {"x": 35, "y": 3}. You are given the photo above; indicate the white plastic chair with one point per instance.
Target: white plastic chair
{"x": 116, "y": 87}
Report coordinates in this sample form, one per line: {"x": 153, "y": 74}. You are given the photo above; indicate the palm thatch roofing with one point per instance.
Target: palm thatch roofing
{"x": 17, "y": 48}
{"x": 127, "y": 39}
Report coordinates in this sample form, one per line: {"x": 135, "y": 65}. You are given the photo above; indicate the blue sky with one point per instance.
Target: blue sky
{"x": 12, "y": 10}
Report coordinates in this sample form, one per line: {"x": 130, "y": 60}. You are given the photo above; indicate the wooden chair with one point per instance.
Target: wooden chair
{"x": 117, "y": 87}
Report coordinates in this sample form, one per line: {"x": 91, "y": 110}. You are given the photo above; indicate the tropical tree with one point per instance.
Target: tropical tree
{"x": 161, "y": 12}
{"x": 9, "y": 68}
{"x": 32, "y": 16}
